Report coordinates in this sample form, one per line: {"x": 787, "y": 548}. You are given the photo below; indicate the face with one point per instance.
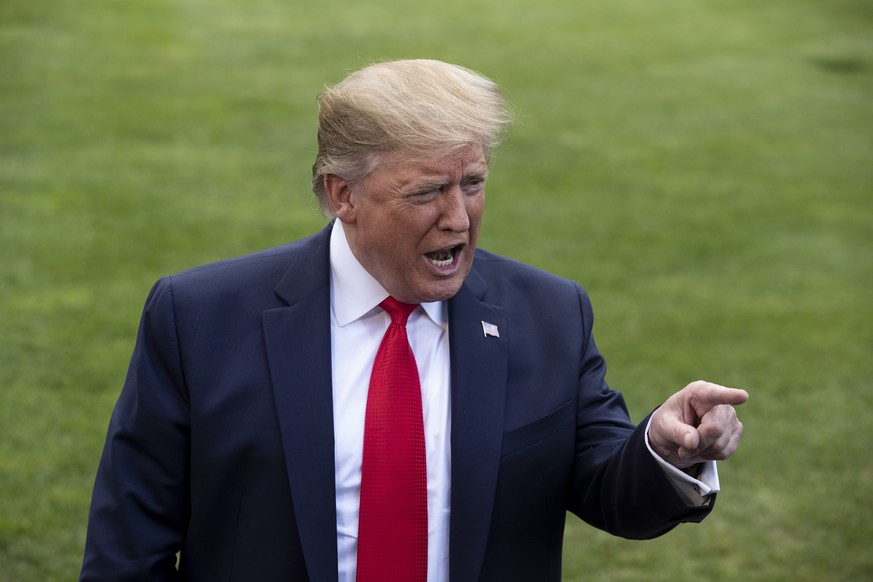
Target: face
{"x": 414, "y": 225}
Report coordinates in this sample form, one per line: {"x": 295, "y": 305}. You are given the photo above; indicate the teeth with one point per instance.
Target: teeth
{"x": 441, "y": 258}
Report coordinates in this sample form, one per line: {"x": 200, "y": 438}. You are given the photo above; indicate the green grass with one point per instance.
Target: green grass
{"x": 703, "y": 168}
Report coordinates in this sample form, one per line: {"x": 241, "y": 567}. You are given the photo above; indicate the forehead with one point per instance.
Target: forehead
{"x": 455, "y": 165}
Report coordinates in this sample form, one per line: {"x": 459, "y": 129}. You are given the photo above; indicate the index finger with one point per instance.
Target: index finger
{"x": 710, "y": 395}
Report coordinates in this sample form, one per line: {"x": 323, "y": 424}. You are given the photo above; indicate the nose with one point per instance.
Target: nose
{"x": 454, "y": 215}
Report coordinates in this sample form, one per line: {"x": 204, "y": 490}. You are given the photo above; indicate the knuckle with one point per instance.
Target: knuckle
{"x": 698, "y": 385}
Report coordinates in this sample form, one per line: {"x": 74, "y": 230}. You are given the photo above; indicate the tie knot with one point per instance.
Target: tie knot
{"x": 398, "y": 311}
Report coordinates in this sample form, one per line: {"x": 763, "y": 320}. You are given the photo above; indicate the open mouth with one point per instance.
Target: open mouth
{"x": 444, "y": 257}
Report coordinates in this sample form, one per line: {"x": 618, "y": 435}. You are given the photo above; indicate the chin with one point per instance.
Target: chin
{"x": 428, "y": 289}
{"x": 444, "y": 292}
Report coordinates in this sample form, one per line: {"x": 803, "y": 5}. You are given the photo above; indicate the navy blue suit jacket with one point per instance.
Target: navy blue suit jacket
{"x": 221, "y": 446}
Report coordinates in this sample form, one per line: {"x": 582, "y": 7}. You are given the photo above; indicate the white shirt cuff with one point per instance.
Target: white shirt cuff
{"x": 695, "y": 492}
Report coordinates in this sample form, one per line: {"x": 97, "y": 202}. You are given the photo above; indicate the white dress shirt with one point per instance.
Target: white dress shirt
{"x": 357, "y": 325}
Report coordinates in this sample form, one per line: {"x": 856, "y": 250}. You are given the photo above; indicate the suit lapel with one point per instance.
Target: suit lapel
{"x": 298, "y": 348}
{"x": 479, "y": 370}
{"x": 300, "y": 367}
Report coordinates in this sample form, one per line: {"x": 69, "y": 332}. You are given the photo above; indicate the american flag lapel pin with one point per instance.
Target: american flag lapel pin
{"x": 490, "y": 329}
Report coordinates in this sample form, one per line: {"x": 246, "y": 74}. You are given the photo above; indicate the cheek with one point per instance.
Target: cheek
{"x": 474, "y": 212}
{"x": 477, "y": 203}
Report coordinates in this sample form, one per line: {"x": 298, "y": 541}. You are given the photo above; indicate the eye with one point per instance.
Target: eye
{"x": 473, "y": 185}
{"x": 425, "y": 195}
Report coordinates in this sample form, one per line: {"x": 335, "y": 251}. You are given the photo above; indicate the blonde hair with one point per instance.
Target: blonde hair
{"x": 423, "y": 107}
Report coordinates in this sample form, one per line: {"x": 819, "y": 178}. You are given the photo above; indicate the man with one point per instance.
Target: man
{"x": 242, "y": 437}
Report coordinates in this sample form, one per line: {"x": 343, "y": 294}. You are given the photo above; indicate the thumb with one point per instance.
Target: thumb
{"x": 687, "y": 438}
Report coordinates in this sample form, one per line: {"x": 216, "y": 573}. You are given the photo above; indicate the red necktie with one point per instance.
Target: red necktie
{"x": 392, "y": 524}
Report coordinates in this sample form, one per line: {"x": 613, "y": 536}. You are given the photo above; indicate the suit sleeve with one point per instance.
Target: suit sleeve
{"x": 617, "y": 485}
{"x": 139, "y": 507}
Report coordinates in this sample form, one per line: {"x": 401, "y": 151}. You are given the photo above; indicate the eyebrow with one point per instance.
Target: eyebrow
{"x": 430, "y": 184}
{"x": 437, "y": 181}
{"x": 478, "y": 172}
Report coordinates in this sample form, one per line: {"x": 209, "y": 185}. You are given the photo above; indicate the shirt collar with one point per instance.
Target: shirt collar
{"x": 354, "y": 292}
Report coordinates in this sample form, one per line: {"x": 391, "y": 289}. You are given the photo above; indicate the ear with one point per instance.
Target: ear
{"x": 339, "y": 195}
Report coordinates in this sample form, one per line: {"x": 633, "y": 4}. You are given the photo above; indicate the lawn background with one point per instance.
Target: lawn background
{"x": 702, "y": 168}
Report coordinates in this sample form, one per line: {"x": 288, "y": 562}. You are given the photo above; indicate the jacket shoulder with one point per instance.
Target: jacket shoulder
{"x": 254, "y": 279}
{"x": 276, "y": 258}
{"x": 501, "y": 274}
